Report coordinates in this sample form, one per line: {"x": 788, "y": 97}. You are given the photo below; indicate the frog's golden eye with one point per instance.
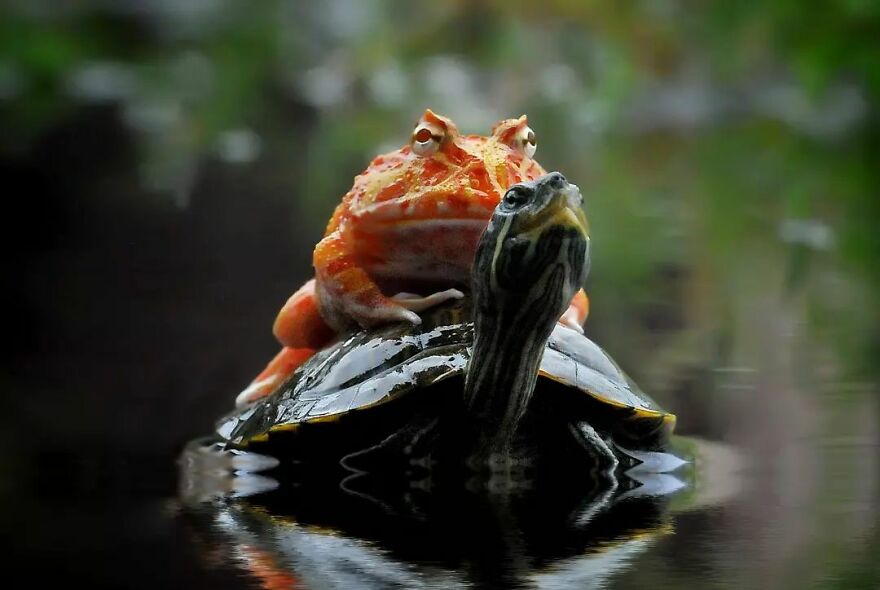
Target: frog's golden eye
{"x": 525, "y": 141}
{"x": 426, "y": 139}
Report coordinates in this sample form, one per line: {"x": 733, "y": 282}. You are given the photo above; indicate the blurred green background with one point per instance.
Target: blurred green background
{"x": 173, "y": 163}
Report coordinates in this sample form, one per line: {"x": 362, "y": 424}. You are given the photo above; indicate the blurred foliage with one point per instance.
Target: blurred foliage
{"x": 703, "y": 135}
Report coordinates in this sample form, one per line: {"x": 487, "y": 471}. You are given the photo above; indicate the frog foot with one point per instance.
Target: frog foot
{"x": 414, "y": 302}
{"x": 257, "y": 390}
{"x": 576, "y": 314}
{"x": 403, "y": 307}
{"x": 570, "y": 319}
{"x": 276, "y": 372}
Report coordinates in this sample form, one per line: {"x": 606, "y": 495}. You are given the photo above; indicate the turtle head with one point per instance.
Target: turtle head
{"x": 533, "y": 256}
{"x": 531, "y": 260}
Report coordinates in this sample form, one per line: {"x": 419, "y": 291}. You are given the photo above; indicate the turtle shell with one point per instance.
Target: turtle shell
{"x": 374, "y": 368}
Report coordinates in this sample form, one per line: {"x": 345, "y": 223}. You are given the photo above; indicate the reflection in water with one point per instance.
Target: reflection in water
{"x": 363, "y": 533}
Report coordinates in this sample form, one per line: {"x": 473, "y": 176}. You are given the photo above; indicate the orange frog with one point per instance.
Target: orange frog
{"x": 410, "y": 224}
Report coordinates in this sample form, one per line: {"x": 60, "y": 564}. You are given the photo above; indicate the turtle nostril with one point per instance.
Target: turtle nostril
{"x": 556, "y": 180}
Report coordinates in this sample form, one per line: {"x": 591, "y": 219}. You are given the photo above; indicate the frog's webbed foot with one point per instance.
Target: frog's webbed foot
{"x": 414, "y": 302}
{"x": 402, "y": 307}
{"x": 349, "y": 295}
{"x": 382, "y": 314}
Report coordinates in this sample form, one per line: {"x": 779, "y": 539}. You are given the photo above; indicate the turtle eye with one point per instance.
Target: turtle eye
{"x": 426, "y": 139}
{"x": 514, "y": 199}
{"x": 525, "y": 141}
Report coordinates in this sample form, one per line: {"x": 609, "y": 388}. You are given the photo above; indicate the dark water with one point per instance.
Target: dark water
{"x": 717, "y": 521}
{"x": 724, "y": 521}
{"x": 364, "y": 532}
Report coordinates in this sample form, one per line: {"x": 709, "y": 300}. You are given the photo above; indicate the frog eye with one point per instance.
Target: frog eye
{"x": 426, "y": 139}
{"x": 525, "y": 141}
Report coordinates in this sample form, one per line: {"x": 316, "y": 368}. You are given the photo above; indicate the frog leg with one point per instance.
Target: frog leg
{"x": 300, "y": 328}
{"x": 275, "y": 373}
{"x": 576, "y": 314}
{"x": 299, "y": 323}
{"x": 348, "y": 293}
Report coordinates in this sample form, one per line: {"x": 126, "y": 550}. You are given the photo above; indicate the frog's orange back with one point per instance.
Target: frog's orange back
{"x": 416, "y": 214}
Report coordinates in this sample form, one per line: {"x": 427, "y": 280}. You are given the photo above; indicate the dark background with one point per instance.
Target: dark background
{"x": 134, "y": 323}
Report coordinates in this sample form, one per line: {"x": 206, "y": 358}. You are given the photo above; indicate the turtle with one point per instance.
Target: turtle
{"x": 491, "y": 377}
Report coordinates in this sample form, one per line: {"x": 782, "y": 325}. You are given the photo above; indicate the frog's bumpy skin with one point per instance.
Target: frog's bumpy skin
{"x": 409, "y": 219}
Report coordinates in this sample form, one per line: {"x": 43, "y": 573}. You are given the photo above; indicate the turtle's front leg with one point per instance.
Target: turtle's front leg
{"x": 605, "y": 459}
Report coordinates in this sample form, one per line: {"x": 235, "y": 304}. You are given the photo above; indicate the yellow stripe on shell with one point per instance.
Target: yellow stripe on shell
{"x": 641, "y": 413}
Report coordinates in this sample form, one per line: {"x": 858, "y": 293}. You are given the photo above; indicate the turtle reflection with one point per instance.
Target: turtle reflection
{"x": 367, "y": 534}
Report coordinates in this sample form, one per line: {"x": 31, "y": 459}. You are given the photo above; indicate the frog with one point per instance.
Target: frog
{"x": 403, "y": 238}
